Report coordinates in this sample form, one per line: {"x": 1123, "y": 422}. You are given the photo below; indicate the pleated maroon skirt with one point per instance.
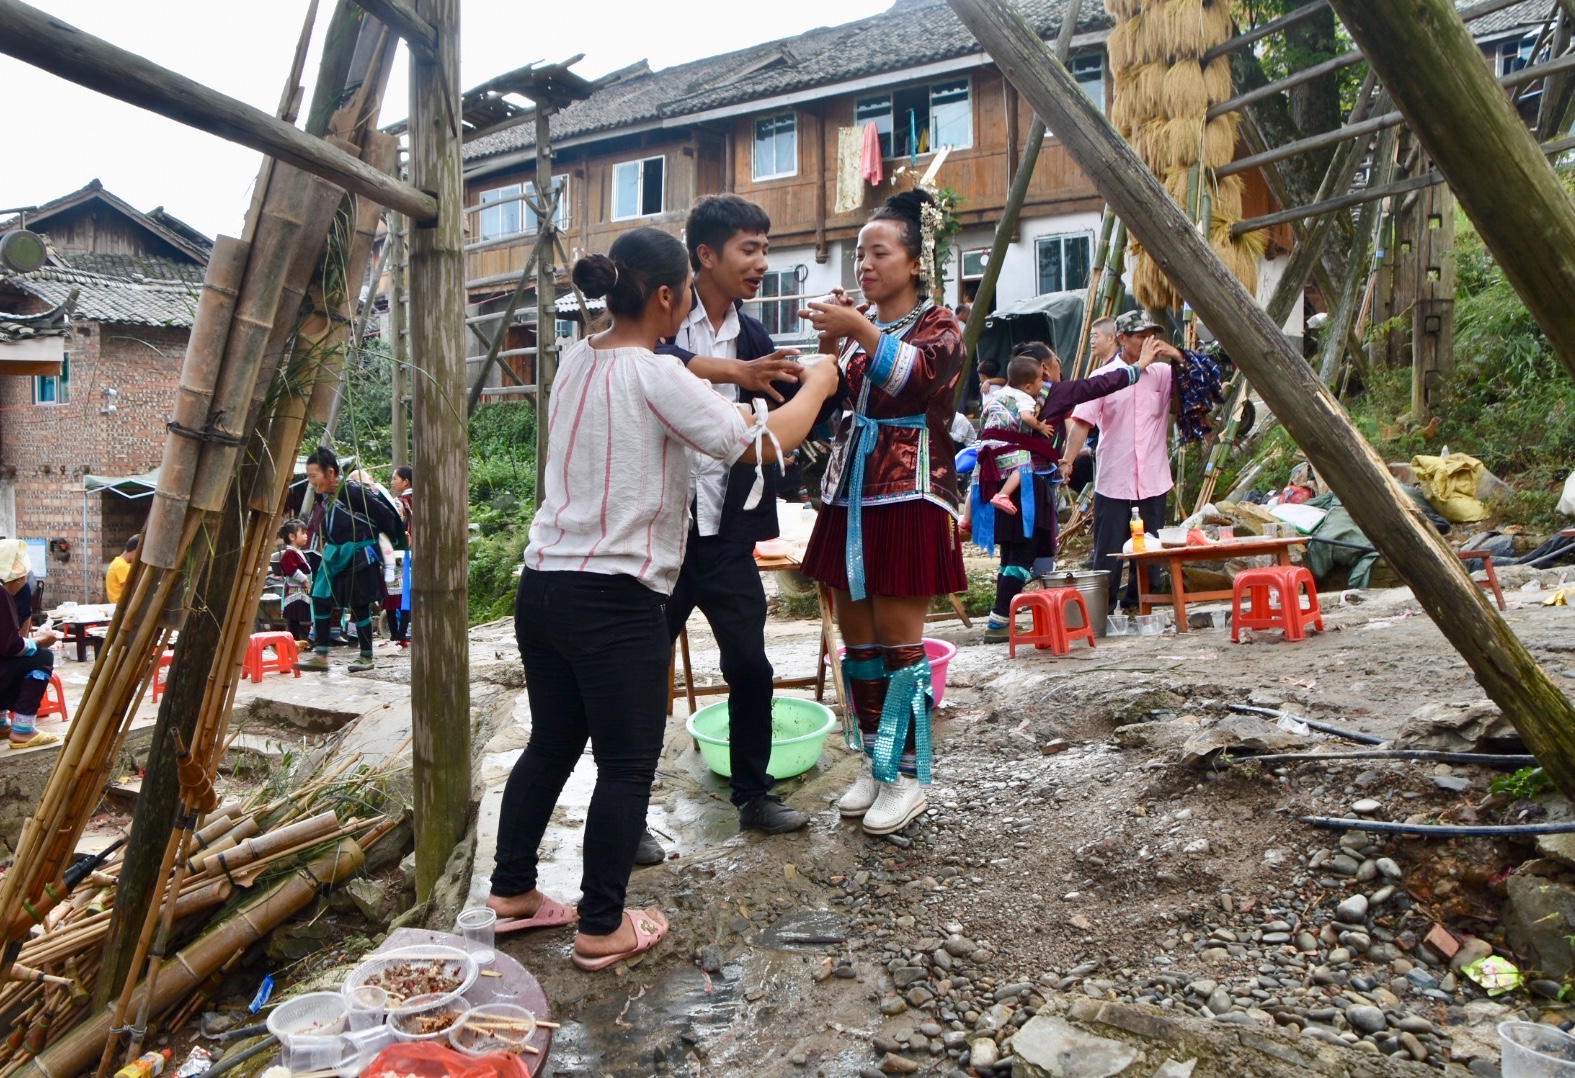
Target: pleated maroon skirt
{"x": 910, "y": 548}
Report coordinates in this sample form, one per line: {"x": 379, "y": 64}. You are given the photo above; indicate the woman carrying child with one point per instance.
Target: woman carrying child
{"x": 1022, "y": 445}
{"x": 886, "y": 541}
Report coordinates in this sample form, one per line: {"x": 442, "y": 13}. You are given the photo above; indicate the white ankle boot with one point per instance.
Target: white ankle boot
{"x": 861, "y": 795}
{"x": 896, "y": 806}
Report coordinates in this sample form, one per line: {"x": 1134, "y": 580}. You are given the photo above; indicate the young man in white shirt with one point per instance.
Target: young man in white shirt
{"x": 728, "y": 240}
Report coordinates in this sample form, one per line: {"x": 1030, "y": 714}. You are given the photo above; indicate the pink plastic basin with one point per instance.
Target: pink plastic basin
{"x": 940, "y": 654}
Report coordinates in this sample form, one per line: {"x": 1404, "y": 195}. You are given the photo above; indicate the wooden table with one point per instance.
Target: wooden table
{"x": 828, "y": 647}
{"x": 77, "y": 622}
{"x": 1177, "y": 556}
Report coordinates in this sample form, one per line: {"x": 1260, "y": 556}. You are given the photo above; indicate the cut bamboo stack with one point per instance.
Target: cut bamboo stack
{"x": 1160, "y": 105}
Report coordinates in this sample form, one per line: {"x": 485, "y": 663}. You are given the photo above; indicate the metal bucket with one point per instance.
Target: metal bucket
{"x": 1096, "y": 593}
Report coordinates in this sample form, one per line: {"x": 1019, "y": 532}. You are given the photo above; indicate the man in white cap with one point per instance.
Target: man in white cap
{"x": 26, "y": 662}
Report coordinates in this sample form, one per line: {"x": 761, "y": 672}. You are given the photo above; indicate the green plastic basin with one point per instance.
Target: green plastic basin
{"x": 798, "y": 734}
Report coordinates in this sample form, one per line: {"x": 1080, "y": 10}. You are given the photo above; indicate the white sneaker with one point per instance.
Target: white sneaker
{"x": 861, "y": 795}
{"x": 896, "y": 806}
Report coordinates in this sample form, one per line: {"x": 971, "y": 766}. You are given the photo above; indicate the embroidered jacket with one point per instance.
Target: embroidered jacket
{"x": 908, "y": 378}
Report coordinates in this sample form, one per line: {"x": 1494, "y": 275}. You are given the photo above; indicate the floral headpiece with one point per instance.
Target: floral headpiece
{"x": 932, "y": 223}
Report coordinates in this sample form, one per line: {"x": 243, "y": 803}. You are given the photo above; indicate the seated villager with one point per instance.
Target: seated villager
{"x": 26, "y": 662}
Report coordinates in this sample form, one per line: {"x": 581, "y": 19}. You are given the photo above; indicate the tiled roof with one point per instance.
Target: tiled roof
{"x": 133, "y": 267}
{"x": 910, "y": 34}
{"x": 1516, "y": 17}
{"x": 118, "y": 300}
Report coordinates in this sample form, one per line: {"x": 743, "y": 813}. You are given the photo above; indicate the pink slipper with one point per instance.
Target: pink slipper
{"x": 1004, "y": 504}
{"x": 551, "y": 914}
{"x": 648, "y": 932}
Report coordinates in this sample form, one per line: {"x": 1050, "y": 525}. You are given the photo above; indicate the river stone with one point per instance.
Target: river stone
{"x": 1389, "y": 868}
{"x": 1241, "y": 735}
{"x": 1175, "y": 1068}
{"x": 1365, "y": 1018}
{"x": 1218, "y": 1001}
{"x": 1366, "y": 806}
{"x": 983, "y": 1053}
{"x": 1353, "y": 911}
{"x": 1051, "y": 1048}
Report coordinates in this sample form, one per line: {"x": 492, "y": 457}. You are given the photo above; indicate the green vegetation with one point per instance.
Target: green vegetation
{"x": 1527, "y": 782}
{"x": 1510, "y": 402}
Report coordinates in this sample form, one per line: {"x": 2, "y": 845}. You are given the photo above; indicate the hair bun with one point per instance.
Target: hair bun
{"x": 910, "y": 203}
{"x": 596, "y": 275}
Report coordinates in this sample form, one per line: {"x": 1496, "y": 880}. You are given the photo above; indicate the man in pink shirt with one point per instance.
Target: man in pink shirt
{"x": 1132, "y": 464}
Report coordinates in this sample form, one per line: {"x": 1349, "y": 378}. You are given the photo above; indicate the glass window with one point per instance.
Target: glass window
{"x": 560, "y": 184}
{"x": 776, "y": 147}
{"x": 1089, "y": 71}
{"x": 973, "y": 263}
{"x": 951, "y": 116}
{"x": 1514, "y": 55}
{"x": 637, "y": 188}
{"x": 52, "y": 388}
{"x": 777, "y": 304}
{"x": 501, "y": 212}
{"x": 1063, "y": 262}
{"x": 875, "y": 110}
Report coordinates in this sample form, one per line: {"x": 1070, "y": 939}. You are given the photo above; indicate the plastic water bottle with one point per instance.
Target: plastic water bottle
{"x": 147, "y": 1065}
{"x": 1138, "y": 545}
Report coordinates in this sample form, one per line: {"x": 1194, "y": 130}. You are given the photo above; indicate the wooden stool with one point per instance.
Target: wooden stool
{"x": 1049, "y": 621}
{"x": 54, "y": 701}
{"x": 1491, "y": 583}
{"x": 681, "y": 646}
{"x": 158, "y": 673}
{"x": 284, "y": 658}
{"x": 1286, "y": 581}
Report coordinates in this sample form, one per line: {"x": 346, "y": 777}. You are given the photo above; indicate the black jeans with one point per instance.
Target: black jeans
{"x": 1112, "y": 528}
{"x": 719, "y": 576}
{"x": 23, "y": 679}
{"x": 596, "y": 652}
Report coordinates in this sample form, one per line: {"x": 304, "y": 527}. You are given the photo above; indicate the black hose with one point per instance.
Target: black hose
{"x": 1486, "y": 759}
{"x": 1442, "y": 830}
{"x": 1322, "y": 727}
{"x": 242, "y": 1032}
{"x": 231, "y": 1061}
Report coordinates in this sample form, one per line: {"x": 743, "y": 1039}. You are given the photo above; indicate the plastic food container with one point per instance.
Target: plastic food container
{"x": 315, "y": 1014}
{"x": 1536, "y": 1050}
{"x": 493, "y": 1027}
{"x": 798, "y": 734}
{"x": 457, "y": 969}
{"x": 1173, "y": 536}
{"x": 1150, "y": 624}
{"x": 1117, "y": 624}
{"x": 427, "y": 1018}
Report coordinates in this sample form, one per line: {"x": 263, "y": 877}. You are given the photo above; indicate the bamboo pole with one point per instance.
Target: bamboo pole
{"x": 1357, "y": 271}
{"x": 40, "y": 39}
{"x": 76, "y": 1051}
{"x": 439, "y": 687}
{"x": 1528, "y": 698}
{"x": 1426, "y": 57}
{"x": 984, "y": 298}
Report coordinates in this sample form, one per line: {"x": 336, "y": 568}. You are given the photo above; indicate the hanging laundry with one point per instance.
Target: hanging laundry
{"x": 870, "y": 166}
{"x": 913, "y": 138}
{"x": 850, "y": 166}
{"x": 924, "y": 141}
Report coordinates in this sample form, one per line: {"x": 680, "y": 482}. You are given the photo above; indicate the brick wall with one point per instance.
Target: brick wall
{"x": 45, "y": 449}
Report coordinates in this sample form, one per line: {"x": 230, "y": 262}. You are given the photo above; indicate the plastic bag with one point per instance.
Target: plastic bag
{"x": 1567, "y": 502}
{"x": 427, "y": 1059}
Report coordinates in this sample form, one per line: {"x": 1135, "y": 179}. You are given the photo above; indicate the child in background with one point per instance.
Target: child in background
{"x": 990, "y": 380}
{"x": 297, "y": 573}
{"x": 1013, "y": 408}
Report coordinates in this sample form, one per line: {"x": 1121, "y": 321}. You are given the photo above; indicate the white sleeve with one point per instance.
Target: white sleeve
{"x": 692, "y": 412}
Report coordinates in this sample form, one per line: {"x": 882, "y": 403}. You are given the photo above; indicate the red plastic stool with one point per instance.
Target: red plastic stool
{"x": 284, "y": 658}
{"x": 1287, "y": 582}
{"x": 1049, "y": 629}
{"x": 165, "y": 659}
{"x": 54, "y": 701}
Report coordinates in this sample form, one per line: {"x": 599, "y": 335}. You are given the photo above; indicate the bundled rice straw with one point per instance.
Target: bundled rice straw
{"x": 1122, "y": 44}
{"x": 1178, "y": 145}
{"x": 1153, "y": 40}
{"x": 1227, "y": 200}
{"x": 1121, "y": 113}
{"x": 1150, "y": 286}
{"x": 1219, "y": 140}
{"x": 1185, "y": 95}
{"x": 1123, "y": 9}
{"x": 1148, "y": 91}
{"x": 1216, "y": 80}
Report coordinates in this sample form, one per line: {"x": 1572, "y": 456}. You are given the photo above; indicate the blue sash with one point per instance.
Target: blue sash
{"x": 865, "y": 430}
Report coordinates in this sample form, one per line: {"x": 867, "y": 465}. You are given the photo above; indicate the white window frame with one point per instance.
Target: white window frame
{"x": 61, "y": 383}
{"x": 1088, "y": 69}
{"x": 506, "y": 197}
{"x": 787, "y": 295}
{"x": 889, "y": 150}
{"x": 962, "y": 264}
{"x": 780, "y": 174}
{"x": 528, "y": 215}
{"x": 1062, "y": 238}
{"x": 639, "y": 165}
